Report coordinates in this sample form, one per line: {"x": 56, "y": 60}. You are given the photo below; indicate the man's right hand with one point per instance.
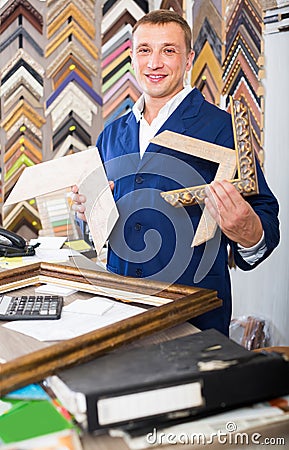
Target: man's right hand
{"x": 78, "y": 203}
{"x": 79, "y": 200}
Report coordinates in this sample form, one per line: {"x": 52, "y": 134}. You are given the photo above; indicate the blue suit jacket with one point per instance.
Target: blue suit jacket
{"x": 152, "y": 239}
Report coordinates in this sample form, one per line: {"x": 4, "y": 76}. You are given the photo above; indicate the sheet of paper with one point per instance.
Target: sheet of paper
{"x": 52, "y": 255}
{"x": 95, "y": 305}
{"x": 54, "y": 289}
{"x": 78, "y": 245}
{"x": 47, "y": 255}
{"x": 84, "y": 169}
{"x": 49, "y": 242}
{"x": 41, "y": 254}
{"x": 12, "y": 263}
{"x": 72, "y": 324}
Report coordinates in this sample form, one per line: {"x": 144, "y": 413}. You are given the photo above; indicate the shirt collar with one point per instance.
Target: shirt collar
{"x": 138, "y": 108}
{"x": 167, "y": 109}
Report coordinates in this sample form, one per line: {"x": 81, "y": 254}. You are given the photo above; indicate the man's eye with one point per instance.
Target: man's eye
{"x": 169, "y": 51}
{"x": 143, "y": 51}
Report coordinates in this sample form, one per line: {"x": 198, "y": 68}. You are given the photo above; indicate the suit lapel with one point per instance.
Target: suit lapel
{"x": 130, "y": 140}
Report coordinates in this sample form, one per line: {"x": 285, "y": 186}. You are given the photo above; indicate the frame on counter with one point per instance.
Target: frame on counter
{"x": 177, "y": 304}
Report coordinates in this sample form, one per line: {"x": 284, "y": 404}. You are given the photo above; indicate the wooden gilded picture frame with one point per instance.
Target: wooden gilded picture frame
{"x": 177, "y": 304}
{"x": 246, "y": 181}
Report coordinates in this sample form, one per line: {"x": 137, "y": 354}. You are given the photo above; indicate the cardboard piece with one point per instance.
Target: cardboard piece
{"x": 84, "y": 169}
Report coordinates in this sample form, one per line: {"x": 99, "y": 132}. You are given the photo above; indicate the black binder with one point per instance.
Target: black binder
{"x": 188, "y": 377}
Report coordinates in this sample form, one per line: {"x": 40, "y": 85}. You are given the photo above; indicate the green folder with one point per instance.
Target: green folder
{"x": 29, "y": 419}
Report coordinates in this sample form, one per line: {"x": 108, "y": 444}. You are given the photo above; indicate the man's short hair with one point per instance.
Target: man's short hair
{"x": 163, "y": 16}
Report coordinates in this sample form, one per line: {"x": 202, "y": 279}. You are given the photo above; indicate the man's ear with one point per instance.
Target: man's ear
{"x": 190, "y": 60}
{"x": 131, "y": 57}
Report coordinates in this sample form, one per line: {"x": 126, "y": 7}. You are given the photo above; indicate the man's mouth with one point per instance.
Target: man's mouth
{"x": 155, "y": 77}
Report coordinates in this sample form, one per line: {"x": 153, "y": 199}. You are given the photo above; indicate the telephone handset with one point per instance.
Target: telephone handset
{"x": 11, "y": 244}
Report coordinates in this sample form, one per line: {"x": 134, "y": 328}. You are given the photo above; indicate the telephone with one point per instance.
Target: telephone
{"x": 11, "y": 244}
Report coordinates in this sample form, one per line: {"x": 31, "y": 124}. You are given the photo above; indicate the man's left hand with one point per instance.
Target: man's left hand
{"x": 233, "y": 214}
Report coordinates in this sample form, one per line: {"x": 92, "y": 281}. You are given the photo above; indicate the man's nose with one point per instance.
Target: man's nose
{"x": 155, "y": 60}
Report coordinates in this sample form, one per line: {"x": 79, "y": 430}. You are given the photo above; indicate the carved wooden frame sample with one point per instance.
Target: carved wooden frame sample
{"x": 246, "y": 181}
{"x": 181, "y": 304}
{"x": 71, "y": 12}
{"x": 71, "y": 29}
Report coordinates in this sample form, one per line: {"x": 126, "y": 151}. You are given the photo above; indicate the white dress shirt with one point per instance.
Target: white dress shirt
{"x": 148, "y": 131}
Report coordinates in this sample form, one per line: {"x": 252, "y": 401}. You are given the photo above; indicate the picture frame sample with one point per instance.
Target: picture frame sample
{"x": 246, "y": 181}
{"x": 176, "y": 304}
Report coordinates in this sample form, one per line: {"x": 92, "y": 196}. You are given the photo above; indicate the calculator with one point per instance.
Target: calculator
{"x": 30, "y": 307}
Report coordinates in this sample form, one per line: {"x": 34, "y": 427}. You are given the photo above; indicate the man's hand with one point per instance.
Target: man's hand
{"x": 78, "y": 203}
{"x": 233, "y": 214}
{"x": 79, "y": 200}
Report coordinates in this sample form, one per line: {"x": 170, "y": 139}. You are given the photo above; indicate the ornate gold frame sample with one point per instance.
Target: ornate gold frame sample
{"x": 243, "y": 159}
{"x": 246, "y": 181}
{"x": 177, "y": 304}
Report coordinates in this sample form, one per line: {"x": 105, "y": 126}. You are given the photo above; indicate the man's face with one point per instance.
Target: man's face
{"x": 160, "y": 59}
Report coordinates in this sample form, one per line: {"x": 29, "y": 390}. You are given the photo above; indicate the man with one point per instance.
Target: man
{"x": 153, "y": 239}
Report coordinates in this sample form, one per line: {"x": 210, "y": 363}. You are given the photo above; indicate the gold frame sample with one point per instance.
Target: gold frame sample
{"x": 246, "y": 182}
{"x": 177, "y": 304}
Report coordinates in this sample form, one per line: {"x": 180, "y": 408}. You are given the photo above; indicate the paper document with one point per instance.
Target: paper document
{"x": 49, "y": 242}
{"x": 51, "y": 255}
{"x": 54, "y": 289}
{"x": 44, "y": 255}
{"x": 84, "y": 169}
{"x": 83, "y": 317}
{"x": 97, "y": 306}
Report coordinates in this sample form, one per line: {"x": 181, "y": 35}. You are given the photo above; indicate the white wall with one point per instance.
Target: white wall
{"x": 265, "y": 290}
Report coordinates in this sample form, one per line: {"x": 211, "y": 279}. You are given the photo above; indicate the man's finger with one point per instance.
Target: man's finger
{"x": 79, "y": 198}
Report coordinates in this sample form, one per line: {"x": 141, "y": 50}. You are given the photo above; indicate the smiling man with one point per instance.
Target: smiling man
{"x": 151, "y": 238}
{"x": 160, "y": 63}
